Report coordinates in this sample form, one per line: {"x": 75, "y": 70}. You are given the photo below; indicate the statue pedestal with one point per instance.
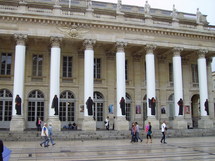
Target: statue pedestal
{"x": 17, "y": 123}
{"x": 205, "y": 123}
{"x": 154, "y": 122}
{"x": 56, "y": 124}
{"x": 88, "y": 124}
{"x": 121, "y": 123}
{"x": 179, "y": 123}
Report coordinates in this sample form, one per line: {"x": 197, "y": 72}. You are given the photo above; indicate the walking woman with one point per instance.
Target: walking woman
{"x": 148, "y": 130}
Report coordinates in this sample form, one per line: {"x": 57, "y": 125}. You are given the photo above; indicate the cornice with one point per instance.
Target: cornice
{"x": 144, "y": 29}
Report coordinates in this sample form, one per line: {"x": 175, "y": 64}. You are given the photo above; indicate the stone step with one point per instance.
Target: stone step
{"x": 99, "y": 135}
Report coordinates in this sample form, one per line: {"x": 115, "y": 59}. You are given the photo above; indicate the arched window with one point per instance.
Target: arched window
{"x": 6, "y": 100}
{"x": 67, "y": 107}
{"x": 35, "y": 107}
{"x": 128, "y": 107}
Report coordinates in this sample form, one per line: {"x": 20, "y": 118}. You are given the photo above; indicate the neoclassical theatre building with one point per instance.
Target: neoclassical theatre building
{"x": 76, "y": 49}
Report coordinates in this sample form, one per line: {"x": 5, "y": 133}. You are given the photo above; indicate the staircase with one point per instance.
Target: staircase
{"x": 100, "y": 135}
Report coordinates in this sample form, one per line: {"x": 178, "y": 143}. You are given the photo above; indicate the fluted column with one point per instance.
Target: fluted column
{"x": 120, "y": 74}
{"x": 19, "y": 70}
{"x": 18, "y": 123}
{"x": 150, "y": 75}
{"x": 203, "y": 86}
{"x": 88, "y": 71}
{"x": 54, "y": 72}
{"x": 177, "y": 77}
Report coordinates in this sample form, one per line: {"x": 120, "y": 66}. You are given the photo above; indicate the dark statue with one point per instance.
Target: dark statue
{"x": 122, "y": 105}
{"x": 152, "y": 104}
{"x": 18, "y": 102}
{"x": 55, "y": 104}
{"x": 89, "y": 104}
{"x": 180, "y": 104}
{"x": 206, "y": 106}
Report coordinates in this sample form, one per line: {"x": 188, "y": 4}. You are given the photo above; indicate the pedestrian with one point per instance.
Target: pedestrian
{"x": 133, "y": 133}
{"x": 163, "y": 130}
{"x": 148, "y": 130}
{"x": 138, "y": 132}
{"x": 50, "y": 133}
{"x": 38, "y": 124}
{"x": 1, "y": 150}
{"x": 114, "y": 122}
{"x": 45, "y": 134}
{"x": 107, "y": 123}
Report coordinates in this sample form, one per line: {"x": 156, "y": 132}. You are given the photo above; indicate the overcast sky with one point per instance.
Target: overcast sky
{"x": 206, "y": 7}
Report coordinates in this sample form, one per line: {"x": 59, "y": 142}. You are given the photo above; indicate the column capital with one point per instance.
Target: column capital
{"x": 121, "y": 45}
{"x": 149, "y": 48}
{"x": 177, "y": 51}
{"x": 55, "y": 41}
{"x": 20, "y": 39}
{"x": 202, "y": 53}
{"x": 88, "y": 43}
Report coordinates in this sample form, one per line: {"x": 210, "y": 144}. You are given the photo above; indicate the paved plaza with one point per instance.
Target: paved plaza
{"x": 192, "y": 148}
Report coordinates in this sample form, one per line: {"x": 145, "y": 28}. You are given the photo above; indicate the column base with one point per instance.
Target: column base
{"x": 56, "y": 124}
{"x": 17, "y": 123}
{"x": 154, "y": 122}
{"x": 205, "y": 123}
{"x": 121, "y": 124}
{"x": 179, "y": 123}
{"x": 88, "y": 124}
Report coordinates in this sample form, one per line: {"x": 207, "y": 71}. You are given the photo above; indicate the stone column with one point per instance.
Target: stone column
{"x": 121, "y": 122}
{"x": 88, "y": 123}
{"x": 179, "y": 122}
{"x": 55, "y": 83}
{"x": 205, "y": 121}
{"x": 150, "y": 79}
{"x": 17, "y": 122}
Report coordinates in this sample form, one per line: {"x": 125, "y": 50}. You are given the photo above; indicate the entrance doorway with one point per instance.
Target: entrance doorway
{"x": 35, "y": 108}
{"x": 195, "y": 108}
{"x": 6, "y": 100}
{"x": 98, "y": 110}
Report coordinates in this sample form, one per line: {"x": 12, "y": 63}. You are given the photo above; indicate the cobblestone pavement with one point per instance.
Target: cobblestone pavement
{"x": 192, "y": 148}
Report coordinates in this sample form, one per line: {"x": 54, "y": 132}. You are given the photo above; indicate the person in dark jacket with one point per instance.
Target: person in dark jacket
{"x": 1, "y": 150}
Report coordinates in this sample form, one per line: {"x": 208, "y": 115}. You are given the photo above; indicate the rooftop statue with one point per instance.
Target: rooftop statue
{"x": 119, "y": 6}
{"x": 147, "y": 8}
{"x": 174, "y": 13}
{"x": 89, "y": 4}
{"x": 198, "y": 16}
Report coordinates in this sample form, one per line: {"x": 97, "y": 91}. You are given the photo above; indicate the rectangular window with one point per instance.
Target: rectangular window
{"x": 170, "y": 72}
{"x": 37, "y": 65}
{"x": 67, "y": 66}
{"x": 195, "y": 77}
{"x": 97, "y": 68}
{"x": 126, "y": 69}
{"x": 6, "y": 64}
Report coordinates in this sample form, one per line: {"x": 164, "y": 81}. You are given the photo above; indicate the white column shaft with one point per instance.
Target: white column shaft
{"x": 120, "y": 74}
{"x": 88, "y": 77}
{"x": 19, "y": 75}
{"x": 150, "y": 78}
{"x": 178, "y": 88}
{"x": 54, "y": 76}
{"x": 203, "y": 87}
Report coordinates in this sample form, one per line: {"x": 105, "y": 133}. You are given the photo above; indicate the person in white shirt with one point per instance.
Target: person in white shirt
{"x": 107, "y": 123}
{"x": 45, "y": 135}
{"x": 163, "y": 130}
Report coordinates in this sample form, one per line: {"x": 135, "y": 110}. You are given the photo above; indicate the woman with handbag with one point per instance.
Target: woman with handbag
{"x": 148, "y": 130}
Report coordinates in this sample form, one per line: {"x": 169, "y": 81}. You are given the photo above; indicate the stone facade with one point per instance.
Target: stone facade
{"x": 44, "y": 28}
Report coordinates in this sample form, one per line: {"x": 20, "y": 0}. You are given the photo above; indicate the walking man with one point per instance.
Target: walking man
{"x": 138, "y": 132}
{"x": 163, "y": 130}
{"x": 50, "y": 134}
{"x": 45, "y": 135}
